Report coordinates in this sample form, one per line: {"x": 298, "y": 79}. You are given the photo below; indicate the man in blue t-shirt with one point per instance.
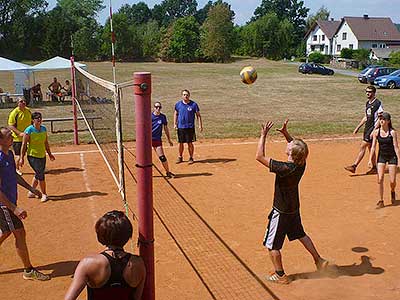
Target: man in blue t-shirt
{"x": 158, "y": 122}
{"x": 185, "y": 112}
{"x": 11, "y": 215}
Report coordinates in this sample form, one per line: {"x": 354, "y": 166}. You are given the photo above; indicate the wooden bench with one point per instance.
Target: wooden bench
{"x": 64, "y": 119}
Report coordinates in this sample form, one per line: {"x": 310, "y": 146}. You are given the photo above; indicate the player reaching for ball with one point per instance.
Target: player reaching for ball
{"x": 284, "y": 219}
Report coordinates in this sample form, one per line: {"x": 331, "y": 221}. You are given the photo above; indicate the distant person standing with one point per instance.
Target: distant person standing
{"x": 159, "y": 121}
{"x": 386, "y": 137}
{"x": 36, "y": 144}
{"x": 18, "y": 120}
{"x": 184, "y": 122}
{"x": 373, "y": 107}
{"x": 11, "y": 215}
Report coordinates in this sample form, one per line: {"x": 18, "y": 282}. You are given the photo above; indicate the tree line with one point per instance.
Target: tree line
{"x": 174, "y": 30}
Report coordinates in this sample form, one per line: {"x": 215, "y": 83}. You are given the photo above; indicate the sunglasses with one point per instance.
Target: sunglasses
{"x": 39, "y": 119}
{"x": 369, "y": 91}
{"x": 157, "y": 107}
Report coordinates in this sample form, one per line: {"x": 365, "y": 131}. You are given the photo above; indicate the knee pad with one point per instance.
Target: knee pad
{"x": 162, "y": 158}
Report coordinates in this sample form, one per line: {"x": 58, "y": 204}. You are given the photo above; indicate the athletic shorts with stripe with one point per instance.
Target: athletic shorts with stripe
{"x": 8, "y": 221}
{"x": 279, "y": 226}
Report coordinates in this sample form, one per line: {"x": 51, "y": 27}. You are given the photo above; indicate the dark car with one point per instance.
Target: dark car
{"x": 314, "y": 68}
{"x": 375, "y": 72}
{"x": 362, "y": 77}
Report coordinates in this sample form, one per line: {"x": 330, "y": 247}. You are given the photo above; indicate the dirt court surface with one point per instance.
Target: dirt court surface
{"x": 209, "y": 225}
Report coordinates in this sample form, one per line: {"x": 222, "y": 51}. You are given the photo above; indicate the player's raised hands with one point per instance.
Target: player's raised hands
{"x": 265, "y": 128}
{"x": 283, "y": 129}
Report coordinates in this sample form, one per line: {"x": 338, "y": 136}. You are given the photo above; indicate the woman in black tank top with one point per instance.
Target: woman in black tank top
{"x": 388, "y": 153}
{"x": 114, "y": 273}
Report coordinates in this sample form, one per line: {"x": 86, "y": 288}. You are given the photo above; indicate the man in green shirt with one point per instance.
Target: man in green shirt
{"x": 18, "y": 120}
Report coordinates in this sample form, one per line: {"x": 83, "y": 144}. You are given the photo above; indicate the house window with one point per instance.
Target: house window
{"x": 323, "y": 37}
{"x": 344, "y": 36}
{"x": 321, "y": 48}
{"x": 374, "y": 46}
{"x": 338, "y": 48}
{"x": 315, "y": 38}
{"x": 350, "y": 46}
{"x": 382, "y": 46}
{"x": 312, "y": 47}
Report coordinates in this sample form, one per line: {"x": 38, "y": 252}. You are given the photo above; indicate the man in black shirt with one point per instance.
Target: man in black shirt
{"x": 373, "y": 107}
{"x": 284, "y": 218}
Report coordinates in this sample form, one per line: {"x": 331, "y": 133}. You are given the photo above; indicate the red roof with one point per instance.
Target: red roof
{"x": 329, "y": 27}
{"x": 373, "y": 29}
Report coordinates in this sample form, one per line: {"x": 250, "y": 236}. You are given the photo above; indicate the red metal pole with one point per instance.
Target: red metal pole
{"x": 76, "y": 141}
{"x": 142, "y": 91}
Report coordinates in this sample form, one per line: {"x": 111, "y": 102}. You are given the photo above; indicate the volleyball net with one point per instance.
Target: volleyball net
{"x": 99, "y": 103}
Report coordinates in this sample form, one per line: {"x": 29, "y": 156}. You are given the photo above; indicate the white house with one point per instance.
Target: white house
{"x": 320, "y": 37}
{"x": 365, "y": 33}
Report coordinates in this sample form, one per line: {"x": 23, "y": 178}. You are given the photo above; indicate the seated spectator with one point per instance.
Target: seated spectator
{"x": 55, "y": 90}
{"x": 67, "y": 90}
{"x": 36, "y": 93}
{"x": 114, "y": 273}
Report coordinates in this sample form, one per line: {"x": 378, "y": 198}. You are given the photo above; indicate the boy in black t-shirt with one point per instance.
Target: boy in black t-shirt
{"x": 284, "y": 218}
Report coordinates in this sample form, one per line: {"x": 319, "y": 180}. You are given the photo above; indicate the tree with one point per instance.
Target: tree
{"x": 217, "y": 33}
{"x": 81, "y": 9}
{"x": 394, "y": 58}
{"x": 170, "y": 10}
{"x": 151, "y": 39}
{"x": 362, "y": 55}
{"x": 346, "y": 53}
{"x": 292, "y": 10}
{"x": 322, "y": 14}
{"x": 137, "y": 14}
{"x": 87, "y": 41}
{"x": 16, "y": 17}
{"x": 201, "y": 14}
{"x": 181, "y": 41}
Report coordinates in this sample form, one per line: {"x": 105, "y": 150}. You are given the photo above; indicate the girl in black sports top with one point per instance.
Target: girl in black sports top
{"x": 388, "y": 153}
{"x": 114, "y": 273}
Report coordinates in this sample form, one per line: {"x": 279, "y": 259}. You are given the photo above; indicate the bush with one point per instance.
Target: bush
{"x": 346, "y": 53}
{"x": 318, "y": 57}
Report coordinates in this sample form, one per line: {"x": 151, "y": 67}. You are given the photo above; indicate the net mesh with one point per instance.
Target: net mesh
{"x": 98, "y": 102}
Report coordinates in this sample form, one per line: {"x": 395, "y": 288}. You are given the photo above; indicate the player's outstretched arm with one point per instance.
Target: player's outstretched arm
{"x": 395, "y": 143}
{"x": 373, "y": 147}
{"x": 21, "y": 181}
{"x": 260, "y": 154}
{"x": 285, "y": 132}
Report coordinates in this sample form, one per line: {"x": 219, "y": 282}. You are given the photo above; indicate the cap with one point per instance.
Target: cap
{"x": 385, "y": 115}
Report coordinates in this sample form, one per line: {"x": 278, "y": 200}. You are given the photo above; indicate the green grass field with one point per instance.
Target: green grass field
{"x": 316, "y": 105}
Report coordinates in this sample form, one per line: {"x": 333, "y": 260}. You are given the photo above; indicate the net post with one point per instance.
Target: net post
{"x": 142, "y": 92}
{"x": 74, "y": 110}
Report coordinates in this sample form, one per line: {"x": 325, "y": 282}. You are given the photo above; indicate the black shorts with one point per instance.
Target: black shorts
{"x": 8, "y": 221}
{"x": 391, "y": 159}
{"x": 38, "y": 165}
{"x": 17, "y": 148}
{"x": 186, "y": 135}
{"x": 367, "y": 135}
{"x": 279, "y": 226}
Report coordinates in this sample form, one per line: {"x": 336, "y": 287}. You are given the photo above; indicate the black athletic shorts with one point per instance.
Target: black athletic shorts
{"x": 391, "y": 160}
{"x": 367, "y": 135}
{"x": 8, "y": 221}
{"x": 186, "y": 135}
{"x": 280, "y": 225}
{"x": 38, "y": 165}
{"x": 17, "y": 148}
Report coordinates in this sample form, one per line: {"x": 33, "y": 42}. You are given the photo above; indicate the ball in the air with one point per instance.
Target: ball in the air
{"x": 248, "y": 75}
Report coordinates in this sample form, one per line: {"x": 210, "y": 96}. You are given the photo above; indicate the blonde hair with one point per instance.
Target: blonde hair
{"x": 299, "y": 152}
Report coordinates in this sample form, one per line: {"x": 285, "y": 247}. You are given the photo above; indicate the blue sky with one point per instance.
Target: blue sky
{"x": 244, "y": 9}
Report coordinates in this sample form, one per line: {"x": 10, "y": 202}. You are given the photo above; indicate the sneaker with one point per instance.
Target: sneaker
{"x": 380, "y": 204}
{"x": 275, "y": 278}
{"x": 170, "y": 175}
{"x": 322, "y": 264}
{"x": 31, "y": 195}
{"x": 372, "y": 171}
{"x": 393, "y": 197}
{"x": 191, "y": 161}
{"x": 44, "y": 198}
{"x": 179, "y": 160}
{"x": 351, "y": 168}
{"x": 19, "y": 172}
{"x": 35, "y": 275}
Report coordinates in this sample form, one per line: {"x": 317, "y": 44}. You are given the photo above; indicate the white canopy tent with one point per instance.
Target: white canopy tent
{"x": 21, "y": 73}
{"x": 55, "y": 63}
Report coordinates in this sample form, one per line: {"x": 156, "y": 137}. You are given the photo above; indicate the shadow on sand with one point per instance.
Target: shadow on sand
{"x": 59, "y": 269}
{"x": 71, "y": 196}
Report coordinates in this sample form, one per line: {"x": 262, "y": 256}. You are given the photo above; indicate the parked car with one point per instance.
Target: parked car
{"x": 376, "y": 72}
{"x": 390, "y": 81}
{"x": 310, "y": 68}
{"x": 362, "y": 77}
